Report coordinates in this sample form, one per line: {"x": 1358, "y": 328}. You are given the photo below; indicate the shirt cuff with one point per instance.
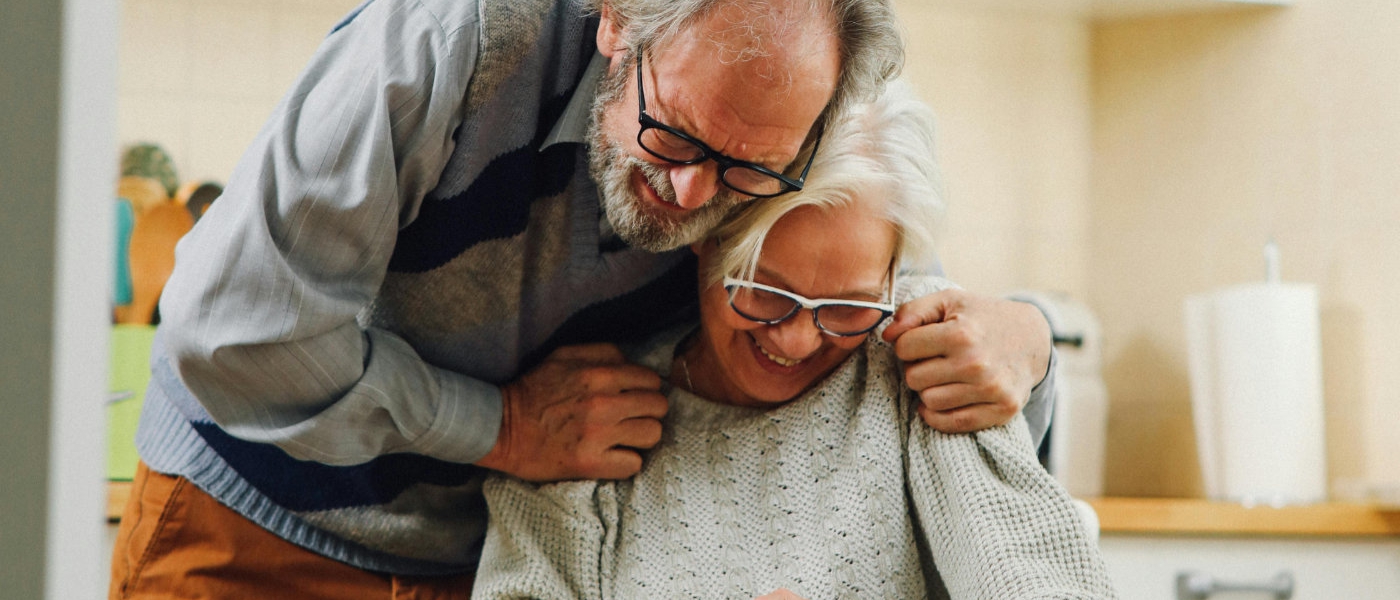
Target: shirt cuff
{"x": 467, "y": 422}
{"x": 1041, "y": 405}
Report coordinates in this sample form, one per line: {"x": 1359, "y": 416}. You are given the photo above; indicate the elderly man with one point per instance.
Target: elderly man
{"x": 412, "y": 270}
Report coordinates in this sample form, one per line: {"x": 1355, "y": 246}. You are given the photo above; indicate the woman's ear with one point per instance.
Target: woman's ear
{"x": 609, "y": 33}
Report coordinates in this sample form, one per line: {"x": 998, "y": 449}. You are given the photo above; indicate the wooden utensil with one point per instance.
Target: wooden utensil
{"x": 153, "y": 242}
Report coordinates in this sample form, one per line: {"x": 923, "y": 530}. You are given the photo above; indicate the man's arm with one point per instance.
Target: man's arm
{"x": 260, "y": 315}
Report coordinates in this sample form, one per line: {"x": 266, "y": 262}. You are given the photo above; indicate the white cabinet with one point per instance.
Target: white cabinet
{"x": 1144, "y": 567}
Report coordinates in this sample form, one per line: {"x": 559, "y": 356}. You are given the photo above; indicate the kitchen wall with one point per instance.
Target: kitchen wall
{"x": 1212, "y": 134}
{"x": 1012, "y": 96}
{"x": 1132, "y": 162}
{"x": 1125, "y": 162}
{"x": 200, "y": 77}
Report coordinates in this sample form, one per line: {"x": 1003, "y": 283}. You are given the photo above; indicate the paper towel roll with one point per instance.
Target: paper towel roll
{"x": 1256, "y": 387}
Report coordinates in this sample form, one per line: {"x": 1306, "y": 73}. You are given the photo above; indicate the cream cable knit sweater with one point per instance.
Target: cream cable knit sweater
{"x": 842, "y": 493}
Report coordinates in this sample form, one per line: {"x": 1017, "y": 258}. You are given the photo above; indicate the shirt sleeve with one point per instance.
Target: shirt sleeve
{"x": 259, "y": 317}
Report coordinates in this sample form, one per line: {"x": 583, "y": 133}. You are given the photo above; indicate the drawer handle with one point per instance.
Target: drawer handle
{"x": 1195, "y": 585}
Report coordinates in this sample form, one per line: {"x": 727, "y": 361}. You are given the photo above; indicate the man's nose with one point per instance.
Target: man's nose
{"x": 797, "y": 337}
{"x": 695, "y": 184}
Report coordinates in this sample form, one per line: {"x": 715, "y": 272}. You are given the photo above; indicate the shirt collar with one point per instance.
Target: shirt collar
{"x": 572, "y": 126}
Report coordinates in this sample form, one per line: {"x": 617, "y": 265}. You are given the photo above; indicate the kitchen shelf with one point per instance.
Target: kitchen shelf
{"x": 1182, "y": 516}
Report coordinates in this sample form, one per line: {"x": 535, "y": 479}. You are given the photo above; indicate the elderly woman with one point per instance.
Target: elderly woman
{"x": 793, "y": 458}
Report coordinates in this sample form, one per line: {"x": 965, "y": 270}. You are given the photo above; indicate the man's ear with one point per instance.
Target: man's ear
{"x": 609, "y": 33}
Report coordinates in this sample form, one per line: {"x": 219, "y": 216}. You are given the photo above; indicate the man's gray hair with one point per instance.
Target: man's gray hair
{"x": 880, "y": 155}
{"x": 872, "y": 49}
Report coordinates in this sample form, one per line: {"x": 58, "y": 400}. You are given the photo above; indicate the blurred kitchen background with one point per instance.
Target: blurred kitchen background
{"x": 1125, "y": 153}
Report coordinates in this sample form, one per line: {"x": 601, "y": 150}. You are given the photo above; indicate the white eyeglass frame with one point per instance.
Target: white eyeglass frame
{"x": 810, "y": 304}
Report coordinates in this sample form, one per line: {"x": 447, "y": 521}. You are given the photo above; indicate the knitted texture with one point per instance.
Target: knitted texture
{"x": 841, "y": 493}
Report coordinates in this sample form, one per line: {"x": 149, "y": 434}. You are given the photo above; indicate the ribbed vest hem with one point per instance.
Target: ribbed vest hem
{"x": 169, "y": 444}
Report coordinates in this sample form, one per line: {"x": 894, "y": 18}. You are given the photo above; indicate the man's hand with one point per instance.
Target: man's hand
{"x": 972, "y": 359}
{"x": 581, "y": 414}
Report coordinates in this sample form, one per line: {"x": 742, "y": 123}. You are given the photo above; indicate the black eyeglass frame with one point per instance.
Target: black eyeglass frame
{"x": 707, "y": 153}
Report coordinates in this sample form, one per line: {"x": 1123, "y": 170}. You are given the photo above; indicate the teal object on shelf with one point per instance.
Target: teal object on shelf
{"x": 126, "y": 220}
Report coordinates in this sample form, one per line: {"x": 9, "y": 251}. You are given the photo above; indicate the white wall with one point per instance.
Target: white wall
{"x": 57, "y": 98}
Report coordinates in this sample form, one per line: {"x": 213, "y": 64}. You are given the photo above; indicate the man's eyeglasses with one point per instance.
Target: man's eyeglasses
{"x": 770, "y": 306}
{"x": 675, "y": 146}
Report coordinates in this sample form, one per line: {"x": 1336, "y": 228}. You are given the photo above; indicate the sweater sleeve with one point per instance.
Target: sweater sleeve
{"x": 995, "y": 523}
{"x": 259, "y": 317}
{"x": 545, "y": 541}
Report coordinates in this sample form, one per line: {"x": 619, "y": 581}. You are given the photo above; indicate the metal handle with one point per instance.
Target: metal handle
{"x": 1195, "y": 585}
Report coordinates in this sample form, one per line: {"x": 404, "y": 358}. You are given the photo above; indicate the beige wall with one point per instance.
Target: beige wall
{"x": 200, "y": 77}
{"x": 1134, "y": 162}
{"x": 1211, "y": 135}
{"x": 1012, "y": 97}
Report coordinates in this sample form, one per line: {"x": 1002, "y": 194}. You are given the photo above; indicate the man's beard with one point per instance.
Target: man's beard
{"x": 641, "y": 225}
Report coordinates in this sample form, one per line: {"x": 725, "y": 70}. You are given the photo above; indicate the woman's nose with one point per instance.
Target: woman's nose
{"x": 695, "y": 184}
{"x": 797, "y": 337}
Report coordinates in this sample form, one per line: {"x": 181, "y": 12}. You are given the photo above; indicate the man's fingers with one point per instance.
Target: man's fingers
{"x": 922, "y": 374}
{"x": 953, "y": 337}
{"x": 956, "y": 408}
{"x": 961, "y": 420}
{"x": 612, "y": 379}
{"x": 597, "y": 353}
{"x": 615, "y": 463}
{"x": 639, "y": 433}
{"x": 949, "y": 397}
{"x": 617, "y": 408}
{"x": 933, "y": 308}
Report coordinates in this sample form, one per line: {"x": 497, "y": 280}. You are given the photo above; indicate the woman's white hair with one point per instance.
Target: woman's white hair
{"x": 879, "y": 154}
{"x": 872, "y": 49}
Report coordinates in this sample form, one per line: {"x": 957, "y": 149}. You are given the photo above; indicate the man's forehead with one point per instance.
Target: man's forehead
{"x": 759, "y": 101}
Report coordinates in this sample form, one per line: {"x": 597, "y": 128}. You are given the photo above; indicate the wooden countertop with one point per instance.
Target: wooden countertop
{"x": 1162, "y": 516}
{"x": 1185, "y": 516}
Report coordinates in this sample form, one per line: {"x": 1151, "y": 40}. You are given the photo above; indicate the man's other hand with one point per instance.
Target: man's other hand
{"x": 584, "y": 413}
{"x": 972, "y": 359}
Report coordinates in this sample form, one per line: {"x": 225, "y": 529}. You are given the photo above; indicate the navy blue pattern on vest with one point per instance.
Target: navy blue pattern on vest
{"x": 496, "y": 205}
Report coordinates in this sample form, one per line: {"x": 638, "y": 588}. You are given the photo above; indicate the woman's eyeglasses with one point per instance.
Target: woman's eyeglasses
{"x": 770, "y": 306}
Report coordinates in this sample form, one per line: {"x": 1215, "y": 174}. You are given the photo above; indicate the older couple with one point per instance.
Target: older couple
{"x": 417, "y": 270}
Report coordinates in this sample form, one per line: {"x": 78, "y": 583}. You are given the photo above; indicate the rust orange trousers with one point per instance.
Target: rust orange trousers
{"x": 178, "y": 542}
